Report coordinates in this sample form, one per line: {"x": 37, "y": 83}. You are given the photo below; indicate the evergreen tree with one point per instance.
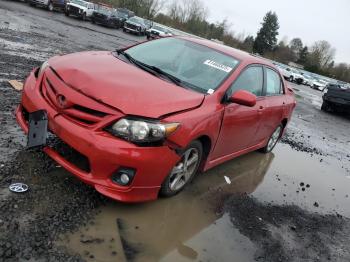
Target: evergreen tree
{"x": 303, "y": 56}
{"x": 266, "y": 38}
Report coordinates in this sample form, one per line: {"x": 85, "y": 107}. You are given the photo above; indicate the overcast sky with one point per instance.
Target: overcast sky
{"x": 311, "y": 20}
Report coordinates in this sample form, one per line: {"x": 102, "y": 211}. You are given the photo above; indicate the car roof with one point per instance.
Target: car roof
{"x": 238, "y": 54}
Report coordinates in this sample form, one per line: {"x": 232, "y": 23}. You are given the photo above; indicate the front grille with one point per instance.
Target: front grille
{"x": 74, "y": 111}
{"x": 131, "y": 26}
{"x": 70, "y": 154}
{"x": 74, "y": 10}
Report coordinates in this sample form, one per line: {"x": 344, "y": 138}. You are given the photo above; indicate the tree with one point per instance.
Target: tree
{"x": 248, "y": 43}
{"x": 321, "y": 54}
{"x": 266, "y": 38}
{"x": 303, "y": 56}
{"x": 296, "y": 45}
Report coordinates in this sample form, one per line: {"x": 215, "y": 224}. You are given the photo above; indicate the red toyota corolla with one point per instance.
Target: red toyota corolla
{"x": 148, "y": 117}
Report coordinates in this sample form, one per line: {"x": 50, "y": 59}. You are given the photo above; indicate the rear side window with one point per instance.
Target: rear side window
{"x": 273, "y": 83}
{"x": 250, "y": 80}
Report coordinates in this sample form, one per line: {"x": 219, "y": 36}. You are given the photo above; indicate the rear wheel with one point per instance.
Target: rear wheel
{"x": 291, "y": 78}
{"x": 273, "y": 140}
{"x": 92, "y": 20}
{"x": 84, "y": 17}
{"x": 184, "y": 171}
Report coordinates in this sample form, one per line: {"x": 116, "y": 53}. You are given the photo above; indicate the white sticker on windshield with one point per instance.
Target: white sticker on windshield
{"x": 210, "y": 91}
{"x": 219, "y": 66}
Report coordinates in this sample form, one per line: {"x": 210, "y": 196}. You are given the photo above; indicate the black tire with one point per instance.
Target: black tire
{"x": 148, "y": 37}
{"x": 165, "y": 189}
{"x": 325, "y": 106}
{"x": 291, "y": 79}
{"x": 31, "y": 4}
{"x": 92, "y": 20}
{"x": 268, "y": 148}
{"x": 84, "y": 17}
{"x": 66, "y": 12}
{"x": 124, "y": 30}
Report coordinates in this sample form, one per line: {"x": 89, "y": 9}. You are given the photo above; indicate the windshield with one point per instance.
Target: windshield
{"x": 136, "y": 20}
{"x": 79, "y": 2}
{"x": 195, "y": 64}
{"x": 122, "y": 15}
{"x": 104, "y": 9}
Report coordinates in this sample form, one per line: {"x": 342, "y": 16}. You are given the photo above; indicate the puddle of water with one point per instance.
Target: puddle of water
{"x": 187, "y": 227}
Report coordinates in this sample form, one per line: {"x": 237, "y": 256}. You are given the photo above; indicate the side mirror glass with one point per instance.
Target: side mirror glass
{"x": 243, "y": 97}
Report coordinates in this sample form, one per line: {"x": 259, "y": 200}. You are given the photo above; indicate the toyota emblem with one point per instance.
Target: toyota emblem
{"x": 18, "y": 187}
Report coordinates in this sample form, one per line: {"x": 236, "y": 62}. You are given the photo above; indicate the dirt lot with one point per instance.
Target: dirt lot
{"x": 290, "y": 205}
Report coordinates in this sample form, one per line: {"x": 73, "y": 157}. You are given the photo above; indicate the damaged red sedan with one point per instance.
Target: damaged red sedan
{"x": 147, "y": 118}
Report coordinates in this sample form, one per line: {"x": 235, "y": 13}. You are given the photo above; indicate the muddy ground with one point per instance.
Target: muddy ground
{"x": 290, "y": 205}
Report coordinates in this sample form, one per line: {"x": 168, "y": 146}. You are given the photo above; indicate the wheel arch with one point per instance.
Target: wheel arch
{"x": 207, "y": 146}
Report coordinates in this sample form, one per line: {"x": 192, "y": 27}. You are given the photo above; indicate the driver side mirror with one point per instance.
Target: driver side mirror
{"x": 243, "y": 97}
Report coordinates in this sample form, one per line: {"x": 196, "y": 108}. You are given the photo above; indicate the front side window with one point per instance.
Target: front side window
{"x": 200, "y": 67}
{"x": 250, "y": 80}
{"x": 273, "y": 83}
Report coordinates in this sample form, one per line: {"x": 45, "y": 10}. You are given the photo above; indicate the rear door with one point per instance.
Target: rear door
{"x": 241, "y": 123}
{"x": 275, "y": 103}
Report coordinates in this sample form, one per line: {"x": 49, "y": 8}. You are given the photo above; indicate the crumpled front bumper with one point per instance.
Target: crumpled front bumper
{"x": 105, "y": 153}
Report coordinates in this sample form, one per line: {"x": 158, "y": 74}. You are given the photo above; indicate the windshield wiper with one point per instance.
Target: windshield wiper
{"x": 152, "y": 69}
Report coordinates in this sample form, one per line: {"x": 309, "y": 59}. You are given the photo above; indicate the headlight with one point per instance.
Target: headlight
{"x": 142, "y": 130}
{"x": 43, "y": 67}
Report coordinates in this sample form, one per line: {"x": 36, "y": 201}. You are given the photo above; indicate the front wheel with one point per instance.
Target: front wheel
{"x": 273, "y": 140}
{"x": 84, "y": 17}
{"x": 325, "y": 107}
{"x": 184, "y": 171}
{"x": 291, "y": 78}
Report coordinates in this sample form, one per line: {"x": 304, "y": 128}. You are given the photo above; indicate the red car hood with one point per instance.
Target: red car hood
{"x": 123, "y": 86}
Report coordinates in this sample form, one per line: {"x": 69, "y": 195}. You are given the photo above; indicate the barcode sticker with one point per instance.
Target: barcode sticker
{"x": 219, "y": 66}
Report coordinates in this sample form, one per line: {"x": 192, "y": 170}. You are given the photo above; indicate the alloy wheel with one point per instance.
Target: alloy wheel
{"x": 184, "y": 170}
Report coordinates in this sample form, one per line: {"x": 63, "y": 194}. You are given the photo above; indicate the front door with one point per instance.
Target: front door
{"x": 241, "y": 123}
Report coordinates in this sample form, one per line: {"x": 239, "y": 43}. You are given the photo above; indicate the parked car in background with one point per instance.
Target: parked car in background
{"x": 123, "y": 14}
{"x": 336, "y": 98}
{"x": 126, "y": 12}
{"x": 155, "y": 113}
{"x": 136, "y": 25}
{"x": 319, "y": 84}
{"x": 157, "y": 31}
{"x": 291, "y": 74}
{"x": 308, "y": 80}
{"x": 49, "y": 4}
{"x": 106, "y": 15}
{"x": 79, "y": 8}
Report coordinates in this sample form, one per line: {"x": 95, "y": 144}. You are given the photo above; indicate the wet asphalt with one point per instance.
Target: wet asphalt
{"x": 289, "y": 205}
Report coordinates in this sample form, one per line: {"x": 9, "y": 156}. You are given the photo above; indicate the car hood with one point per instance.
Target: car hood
{"x": 134, "y": 23}
{"x": 123, "y": 86}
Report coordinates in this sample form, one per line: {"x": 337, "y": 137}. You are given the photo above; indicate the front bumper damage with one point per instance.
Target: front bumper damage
{"x": 105, "y": 153}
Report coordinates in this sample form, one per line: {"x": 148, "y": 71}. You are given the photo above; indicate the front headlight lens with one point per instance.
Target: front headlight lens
{"x": 142, "y": 130}
{"x": 43, "y": 67}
